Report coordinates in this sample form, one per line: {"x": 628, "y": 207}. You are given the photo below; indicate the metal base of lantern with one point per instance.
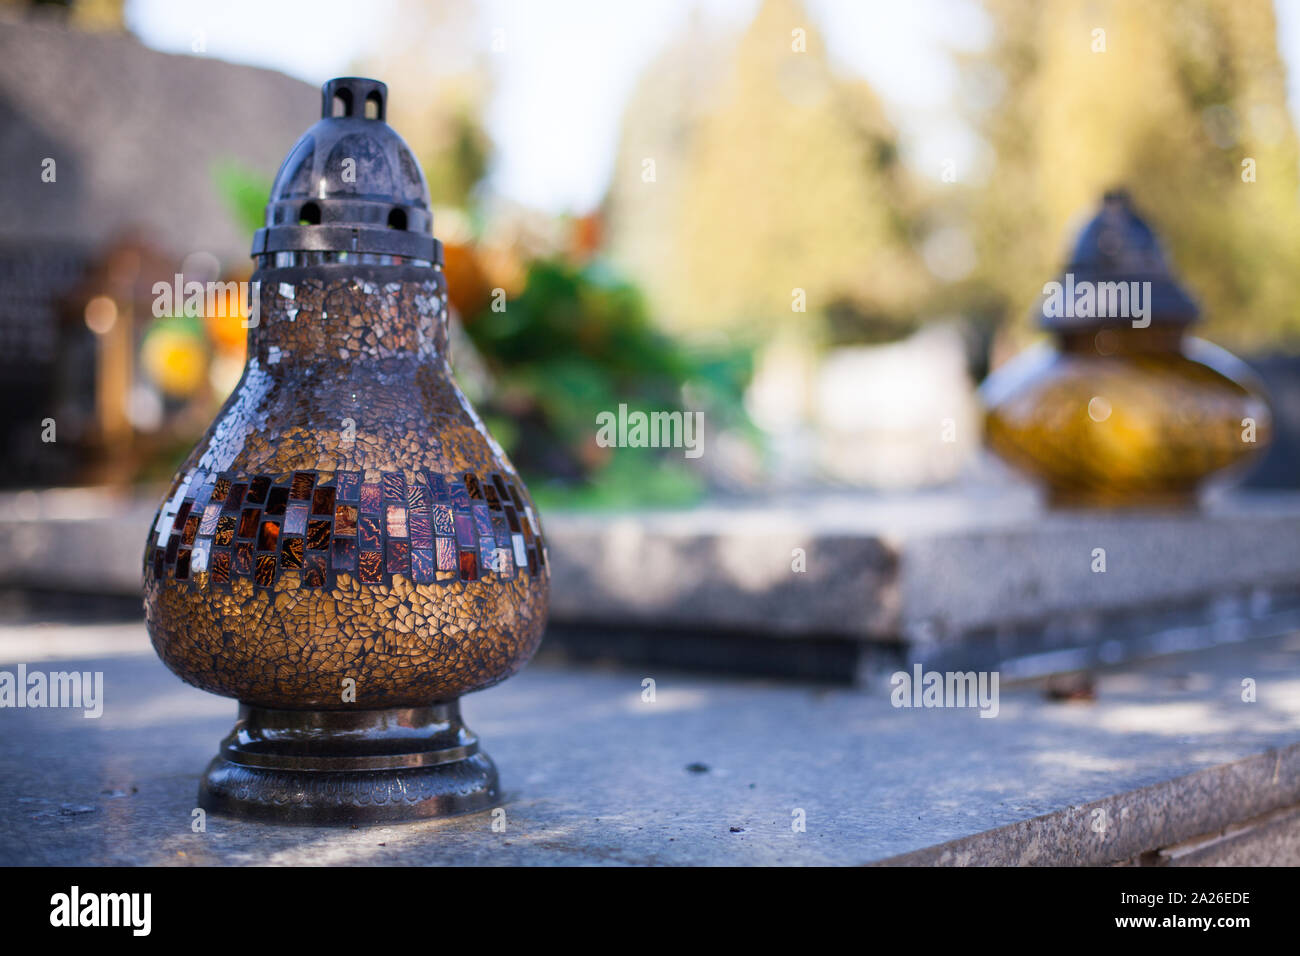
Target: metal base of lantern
{"x": 343, "y": 767}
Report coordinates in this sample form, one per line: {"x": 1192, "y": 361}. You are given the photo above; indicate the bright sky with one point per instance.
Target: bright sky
{"x": 569, "y": 65}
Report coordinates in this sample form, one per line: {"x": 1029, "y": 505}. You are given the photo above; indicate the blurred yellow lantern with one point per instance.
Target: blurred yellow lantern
{"x": 1124, "y": 408}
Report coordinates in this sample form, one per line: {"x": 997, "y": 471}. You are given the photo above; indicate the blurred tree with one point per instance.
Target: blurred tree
{"x": 89, "y": 15}
{"x": 784, "y": 177}
{"x": 431, "y": 58}
{"x": 1173, "y": 99}
{"x": 661, "y": 121}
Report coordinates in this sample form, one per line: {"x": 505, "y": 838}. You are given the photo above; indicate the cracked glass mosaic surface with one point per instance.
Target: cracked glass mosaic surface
{"x": 347, "y": 514}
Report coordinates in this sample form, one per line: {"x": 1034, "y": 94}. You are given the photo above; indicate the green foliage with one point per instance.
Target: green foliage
{"x": 575, "y": 342}
{"x": 628, "y": 481}
{"x": 584, "y": 326}
{"x": 244, "y": 191}
{"x": 456, "y": 169}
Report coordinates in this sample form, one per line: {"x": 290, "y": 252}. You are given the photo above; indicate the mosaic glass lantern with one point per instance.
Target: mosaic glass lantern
{"x": 1123, "y": 408}
{"x": 347, "y": 551}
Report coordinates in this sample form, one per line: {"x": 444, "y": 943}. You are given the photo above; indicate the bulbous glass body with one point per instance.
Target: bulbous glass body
{"x": 347, "y": 516}
{"x": 1125, "y": 417}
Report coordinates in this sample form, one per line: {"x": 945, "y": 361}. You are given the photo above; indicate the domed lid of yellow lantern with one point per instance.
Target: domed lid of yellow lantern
{"x": 1118, "y": 274}
{"x": 350, "y": 184}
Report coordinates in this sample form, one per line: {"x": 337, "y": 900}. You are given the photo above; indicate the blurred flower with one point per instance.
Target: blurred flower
{"x": 174, "y": 355}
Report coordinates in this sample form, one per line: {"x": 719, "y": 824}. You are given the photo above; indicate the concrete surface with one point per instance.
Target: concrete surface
{"x": 1168, "y": 758}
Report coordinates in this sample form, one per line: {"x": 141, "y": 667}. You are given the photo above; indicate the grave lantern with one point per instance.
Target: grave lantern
{"x": 1124, "y": 407}
{"x": 347, "y": 551}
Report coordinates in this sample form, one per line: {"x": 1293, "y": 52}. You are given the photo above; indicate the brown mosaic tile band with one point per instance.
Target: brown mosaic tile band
{"x": 428, "y": 527}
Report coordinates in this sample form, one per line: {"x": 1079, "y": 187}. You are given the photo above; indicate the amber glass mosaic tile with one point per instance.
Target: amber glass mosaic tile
{"x": 318, "y": 535}
{"x": 348, "y": 485}
{"x": 468, "y": 566}
{"x": 445, "y": 553}
{"x": 257, "y": 489}
{"x": 220, "y": 562}
{"x": 300, "y": 489}
{"x": 248, "y": 523}
{"x": 322, "y": 502}
{"x": 277, "y": 500}
{"x": 314, "y": 570}
{"x": 394, "y": 487}
{"x": 472, "y": 485}
{"x": 265, "y": 570}
{"x": 345, "y": 553}
{"x": 345, "y": 520}
{"x": 370, "y": 533}
{"x": 236, "y": 497}
{"x": 268, "y": 536}
{"x": 372, "y": 567}
{"x": 243, "y": 566}
{"x": 443, "y": 523}
{"x": 371, "y": 498}
{"x": 292, "y": 555}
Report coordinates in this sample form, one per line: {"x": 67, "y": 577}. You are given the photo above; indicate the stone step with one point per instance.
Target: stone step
{"x": 1162, "y": 762}
{"x": 988, "y": 580}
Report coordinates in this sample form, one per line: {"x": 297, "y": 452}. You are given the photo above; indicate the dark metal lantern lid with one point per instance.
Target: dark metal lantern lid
{"x": 1117, "y": 246}
{"x": 350, "y": 184}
